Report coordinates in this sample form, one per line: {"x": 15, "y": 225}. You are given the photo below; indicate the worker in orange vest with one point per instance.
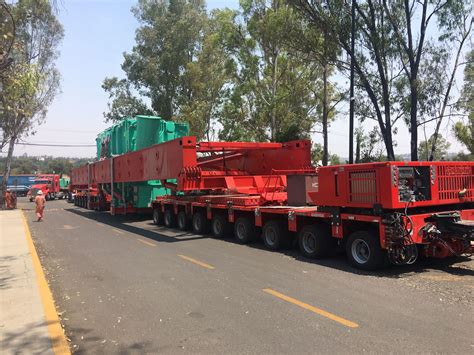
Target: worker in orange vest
{"x": 40, "y": 202}
{"x": 9, "y": 199}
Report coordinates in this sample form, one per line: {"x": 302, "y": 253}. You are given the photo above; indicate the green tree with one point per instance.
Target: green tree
{"x": 371, "y": 57}
{"x": 464, "y": 131}
{"x": 31, "y": 82}
{"x": 122, "y": 102}
{"x": 368, "y": 146}
{"x": 317, "y": 154}
{"x": 316, "y": 46}
{"x": 441, "y": 151}
{"x": 271, "y": 96}
{"x": 394, "y": 44}
{"x": 207, "y": 77}
{"x": 168, "y": 39}
{"x": 7, "y": 35}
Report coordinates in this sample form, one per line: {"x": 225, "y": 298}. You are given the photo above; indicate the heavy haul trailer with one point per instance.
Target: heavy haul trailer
{"x": 129, "y": 135}
{"x": 378, "y": 212}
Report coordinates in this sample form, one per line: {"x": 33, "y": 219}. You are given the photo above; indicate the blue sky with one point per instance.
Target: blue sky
{"x": 97, "y": 32}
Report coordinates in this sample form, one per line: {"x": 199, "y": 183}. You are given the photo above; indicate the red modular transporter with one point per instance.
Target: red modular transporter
{"x": 379, "y": 211}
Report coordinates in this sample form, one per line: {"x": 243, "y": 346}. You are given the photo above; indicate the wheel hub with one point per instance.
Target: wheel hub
{"x": 217, "y": 226}
{"x": 241, "y": 231}
{"x": 360, "y": 251}
{"x": 271, "y": 237}
{"x": 309, "y": 243}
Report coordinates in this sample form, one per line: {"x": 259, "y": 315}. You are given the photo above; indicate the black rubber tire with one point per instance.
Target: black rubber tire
{"x": 220, "y": 226}
{"x": 315, "y": 241}
{"x": 364, "y": 252}
{"x": 244, "y": 230}
{"x": 275, "y": 235}
{"x": 157, "y": 216}
{"x": 200, "y": 223}
{"x": 183, "y": 221}
{"x": 169, "y": 219}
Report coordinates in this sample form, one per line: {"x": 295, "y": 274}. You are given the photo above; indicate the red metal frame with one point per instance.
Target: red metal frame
{"x": 229, "y": 167}
{"x": 379, "y": 181}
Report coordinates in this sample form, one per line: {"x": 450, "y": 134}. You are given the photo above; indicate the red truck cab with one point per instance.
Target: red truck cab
{"x": 48, "y": 184}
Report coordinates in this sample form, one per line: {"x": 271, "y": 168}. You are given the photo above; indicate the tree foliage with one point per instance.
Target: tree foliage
{"x": 266, "y": 71}
{"x": 441, "y": 151}
{"x": 45, "y": 164}
{"x": 230, "y": 73}
{"x": 31, "y": 82}
{"x": 122, "y": 102}
{"x": 397, "y": 62}
{"x": 464, "y": 131}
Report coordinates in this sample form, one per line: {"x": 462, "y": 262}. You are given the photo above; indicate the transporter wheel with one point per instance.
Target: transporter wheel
{"x": 182, "y": 221}
{"x": 315, "y": 241}
{"x": 200, "y": 223}
{"x": 244, "y": 230}
{"x": 220, "y": 226}
{"x": 169, "y": 218}
{"x": 275, "y": 235}
{"x": 157, "y": 216}
{"x": 364, "y": 251}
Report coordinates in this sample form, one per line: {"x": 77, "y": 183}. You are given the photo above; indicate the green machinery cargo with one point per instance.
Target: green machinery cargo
{"x": 132, "y": 134}
{"x": 64, "y": 183}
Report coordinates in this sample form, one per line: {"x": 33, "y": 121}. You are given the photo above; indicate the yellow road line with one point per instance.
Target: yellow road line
{"x": 316, "y": 310}
{"x": 197, "y": 262}
{"x": 117, "y": 231}
{"x": 147, "y": 243}
{"x": 56, "y": 333}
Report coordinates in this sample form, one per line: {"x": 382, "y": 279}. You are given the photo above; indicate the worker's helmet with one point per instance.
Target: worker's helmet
{"x": 40, "y": 192}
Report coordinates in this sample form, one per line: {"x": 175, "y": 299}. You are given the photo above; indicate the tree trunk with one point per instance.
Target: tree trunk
{"x": 274, "y": 129}
{"x": 358, "y": 139}
{"x": 414, "y": 122}
{"x": 448, "y": 91}
{"x": 325, "y": 115}
{"x": 6, "y": 173}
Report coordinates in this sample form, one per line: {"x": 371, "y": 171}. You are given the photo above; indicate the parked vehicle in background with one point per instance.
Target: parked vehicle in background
{"x": 20, "y": 190}
{"x": 48, "y": 184}
{"x": 64, "y": 188}
{"x": 21, "y": 180}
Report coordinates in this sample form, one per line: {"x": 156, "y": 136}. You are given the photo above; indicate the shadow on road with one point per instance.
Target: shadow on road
{"x": 337, "y": 261}
{"x": 30, "y": 339}
{"x": 119, "y": 223}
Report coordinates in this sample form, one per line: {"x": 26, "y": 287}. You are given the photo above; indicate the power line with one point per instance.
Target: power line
{"x": 58, "y": 145}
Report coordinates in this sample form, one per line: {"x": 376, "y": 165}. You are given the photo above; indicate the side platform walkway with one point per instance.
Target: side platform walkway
{"x": 29, "y": 323}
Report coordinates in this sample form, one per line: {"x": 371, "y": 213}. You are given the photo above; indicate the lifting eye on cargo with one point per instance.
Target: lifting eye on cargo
{"x": 391, "y": 211}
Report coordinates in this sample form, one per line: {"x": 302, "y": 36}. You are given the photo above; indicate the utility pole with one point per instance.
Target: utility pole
{"x": 351, "y": 98}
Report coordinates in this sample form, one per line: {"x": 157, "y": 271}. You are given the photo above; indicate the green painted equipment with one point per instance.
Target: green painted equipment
{"x": 132, "y": 134}
{"x": 64, "y": 183}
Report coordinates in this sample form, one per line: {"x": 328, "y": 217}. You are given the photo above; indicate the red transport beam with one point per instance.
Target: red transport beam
{"x": 241, "y": 167}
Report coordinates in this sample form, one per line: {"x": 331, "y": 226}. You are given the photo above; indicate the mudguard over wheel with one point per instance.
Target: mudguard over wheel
{"x": 244, "y": 230}
{"x": 220, "y": 227}
{"x": 275, "y": 235}
{"x": 200, "y": 223}
{"x": 315, "y": 241}
{"x": 364, "y": 252}
{"x": 157, "y": 216}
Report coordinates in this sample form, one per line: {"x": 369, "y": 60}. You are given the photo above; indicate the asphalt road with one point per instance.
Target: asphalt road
{"x": 123, "y": 285}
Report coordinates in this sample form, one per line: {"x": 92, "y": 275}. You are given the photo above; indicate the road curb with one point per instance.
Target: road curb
{"x": 59, "y": 343}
